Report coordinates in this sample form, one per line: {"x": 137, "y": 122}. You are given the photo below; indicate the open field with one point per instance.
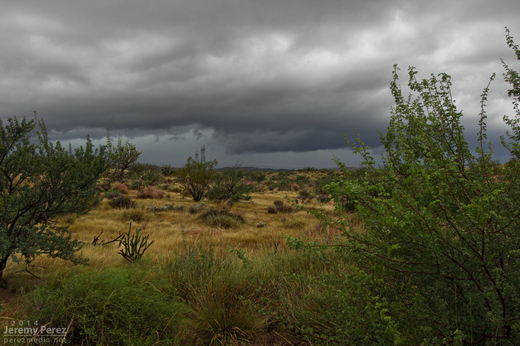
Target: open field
{"x": 256, "y": 249}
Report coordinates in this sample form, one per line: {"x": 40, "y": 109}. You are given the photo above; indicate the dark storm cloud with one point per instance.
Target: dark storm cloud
{"x": 259, "y": 76}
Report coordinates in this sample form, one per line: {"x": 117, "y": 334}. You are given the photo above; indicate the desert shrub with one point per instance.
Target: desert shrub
{"x": 271, "y": 210}
{"x": 103, "y": 187}
{"x": 195, "y": 177}
{"x": 123, "y": 188}
{"x": 230, "y": 185}
{"x": 134, "y": 214}
{"x": 123, "y": 157}
{"x": 221, "y": 218}
{"x": 121, "y": 201}
{"x": 282, "y": 207}
{"x": 150, "y": 192}
{"x": 293, "y": 187}
{"x": 110, "y": 307}
{"x": 159, "y": 208}
{"x": 196, "y": 208}
{"x": 323, "y": 198}
{"x": 222, "y": 296}
{"x": 167, "y": 170}
{"x": 305, "y": 193}
{"x": 40, "y": 181}
{"x": 440, "y": 244}
{"x": 144, "y": 176}
{"x": 256, "y": 176}
{"x": 193, "y": 267}
{"x": 112, "y": 193}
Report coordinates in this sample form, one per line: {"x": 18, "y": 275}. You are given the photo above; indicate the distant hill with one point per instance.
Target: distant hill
{"x": 256, "y": 169}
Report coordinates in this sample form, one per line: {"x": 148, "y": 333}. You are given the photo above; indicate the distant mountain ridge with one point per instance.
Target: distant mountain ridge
{"x": 256, "y": 169}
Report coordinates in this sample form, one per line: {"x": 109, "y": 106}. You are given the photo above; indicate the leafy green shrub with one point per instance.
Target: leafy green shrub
{"x": 122, "y": 156}
{"x": 230, "y": 185}
{"x": 109, "y": 307}
{"x": 41, "y": 180}
{"x": 221, "y": 218}
{"x": 441, "y": 240}
{"x": 195, "y": 177}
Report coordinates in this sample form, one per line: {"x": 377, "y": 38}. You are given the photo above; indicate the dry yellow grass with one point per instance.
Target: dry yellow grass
{"x": 172, "y": 229}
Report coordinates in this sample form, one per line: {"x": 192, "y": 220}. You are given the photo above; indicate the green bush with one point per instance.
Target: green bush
{"x": 220, "y": 293}
{"x": 110, "y": 307}
{"x": 123, "y": 157}
{"x": 40, "y": 181}
{"x": 440, "y": 241}
{"x": 195, "y": 177}
{"x": 230, "y": 185}
{"x": 144, "y": 175}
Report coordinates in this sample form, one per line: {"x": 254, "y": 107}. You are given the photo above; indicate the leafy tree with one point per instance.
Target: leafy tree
{"x": 441, "y": 238}
{"x": 123, "y": 157}
{"x": 40, "y": 180}
{"x": 195, "y": 177}
{"x": 229, "y": 184}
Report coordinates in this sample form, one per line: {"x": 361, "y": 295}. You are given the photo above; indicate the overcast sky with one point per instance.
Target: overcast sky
{"x": 269, "y": 83}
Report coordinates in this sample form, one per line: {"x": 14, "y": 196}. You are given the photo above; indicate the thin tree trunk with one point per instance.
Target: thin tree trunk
{"x": 3, "y": 263}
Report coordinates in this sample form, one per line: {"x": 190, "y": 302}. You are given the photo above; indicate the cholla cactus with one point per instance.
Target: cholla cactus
{"x": 134, "y": 246}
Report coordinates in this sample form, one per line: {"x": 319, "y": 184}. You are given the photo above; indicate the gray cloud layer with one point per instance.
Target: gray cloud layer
{"x": 255, "y": 76}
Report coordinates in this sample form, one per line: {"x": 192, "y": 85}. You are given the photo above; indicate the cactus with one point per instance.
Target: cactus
{"x": 134, "y": 245}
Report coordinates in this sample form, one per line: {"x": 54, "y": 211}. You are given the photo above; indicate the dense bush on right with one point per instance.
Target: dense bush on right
{"x": 440, "y": 249}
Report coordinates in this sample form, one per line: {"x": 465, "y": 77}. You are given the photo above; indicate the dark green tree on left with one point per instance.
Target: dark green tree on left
{"x": 39, "y": 181}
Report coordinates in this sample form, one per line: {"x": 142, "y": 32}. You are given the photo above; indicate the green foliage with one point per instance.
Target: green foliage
{"x": 134, "y": 245}
{"x": 229, "y": 184}
{"x": 39, "y": 181}
{"x": 219, "y": 291}
{"x": 168, "y": 170}
{"x": 195, "y": 177}
{"x": 441, "y": 238}
{"x": 256, "y": 176}
{"x": 144, "y": 175}
{"x": 111, "y": 307}
{"x": 123, "y": 157}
